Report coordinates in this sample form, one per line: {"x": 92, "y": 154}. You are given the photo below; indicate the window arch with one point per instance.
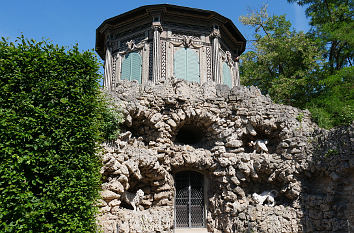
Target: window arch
{"x": 226, "y": 73}
{"x": 131, "y": 67}
{"x": 186, "y": 64}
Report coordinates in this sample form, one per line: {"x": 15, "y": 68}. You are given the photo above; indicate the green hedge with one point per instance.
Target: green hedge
{"x": 50, "y": 118}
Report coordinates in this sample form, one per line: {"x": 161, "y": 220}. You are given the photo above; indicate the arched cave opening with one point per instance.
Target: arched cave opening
{"x": 197, "y": 131}
{"x": 190, "y": 134}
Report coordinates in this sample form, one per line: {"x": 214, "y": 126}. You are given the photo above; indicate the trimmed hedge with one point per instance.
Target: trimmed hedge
{"x": 50, "y": 121}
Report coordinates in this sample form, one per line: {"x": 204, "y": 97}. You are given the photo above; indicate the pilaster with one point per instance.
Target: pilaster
{"x": 107, "y": 81}
{"x": 237, "y": 72}
{"x": 215, "y": 35}
{"x": 157, "y": 29}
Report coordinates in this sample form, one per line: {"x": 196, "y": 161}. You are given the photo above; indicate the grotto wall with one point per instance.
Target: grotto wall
{"x": 174, "y": 126}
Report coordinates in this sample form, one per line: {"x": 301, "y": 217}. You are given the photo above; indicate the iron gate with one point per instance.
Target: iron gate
{"x": 189, "y": 199}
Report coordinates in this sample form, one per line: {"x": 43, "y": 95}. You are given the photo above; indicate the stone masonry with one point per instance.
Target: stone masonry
{"x": 312, "y": 169}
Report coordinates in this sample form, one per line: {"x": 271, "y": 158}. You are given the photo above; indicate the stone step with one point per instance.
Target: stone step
{"x": 191, "y": 230}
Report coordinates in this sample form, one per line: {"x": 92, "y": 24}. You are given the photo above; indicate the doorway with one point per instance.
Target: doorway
{"x": 189, "y": 203}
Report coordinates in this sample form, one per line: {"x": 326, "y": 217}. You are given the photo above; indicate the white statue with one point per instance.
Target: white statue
{"x": 259, "y": 146}
{"x": 133, "y": 199}
{"x": 266, "y": 196}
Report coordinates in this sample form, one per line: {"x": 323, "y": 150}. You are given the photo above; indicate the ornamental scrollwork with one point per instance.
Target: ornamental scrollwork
{"x": 187, "y": 42}
{"x": 131, "y": 46}
{"x": 227, "y": 57}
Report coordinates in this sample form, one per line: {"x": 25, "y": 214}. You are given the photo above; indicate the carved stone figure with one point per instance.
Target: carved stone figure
{"x": 131, "y": 46}
{"x": 187, "y": 42}
{"x": 228, "y": 58}
{"x": 259, "y": 146}
{"x": 133, "y": 199}
{"x": 266, "y": 196}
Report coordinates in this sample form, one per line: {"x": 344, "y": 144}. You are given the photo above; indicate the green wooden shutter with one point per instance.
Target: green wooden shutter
{"x": 125, "y": 74}
{"x": 180, "y": 63}
{"x": 192, "y": 66}
{"x": 135, "y": 66}
{"x": 131, "y": 67}
{"x": 226, "y": 73}
{"x": 186, "y": 65}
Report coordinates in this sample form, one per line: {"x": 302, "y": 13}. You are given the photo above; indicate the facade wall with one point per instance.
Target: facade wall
{"x": 310, "y": 168}
{"x": 157, "y": 43}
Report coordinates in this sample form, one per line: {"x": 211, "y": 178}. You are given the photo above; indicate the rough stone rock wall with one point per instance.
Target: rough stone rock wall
{"x": 312, "y": 169}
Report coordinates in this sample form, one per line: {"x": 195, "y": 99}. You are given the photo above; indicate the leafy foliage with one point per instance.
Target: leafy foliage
{"x": 50, "y": 121}
{"x": 311, "y": 70}
{"x": 111, "y": 117}
{"x": 282, "y": 61}
{"x": 335, "y": 103}
{"x": 332, "y": 24}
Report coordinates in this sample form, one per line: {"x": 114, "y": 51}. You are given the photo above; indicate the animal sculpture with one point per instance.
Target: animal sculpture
{"x": 259, "y": 146}
{"x": 266, "y": 197}
{"x": 133, "y": 199}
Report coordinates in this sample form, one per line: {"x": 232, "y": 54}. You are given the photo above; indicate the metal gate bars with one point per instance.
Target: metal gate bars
{"x": 189, "y": 200}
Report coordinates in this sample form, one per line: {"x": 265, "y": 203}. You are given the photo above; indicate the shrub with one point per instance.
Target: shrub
{"x": 50, "y": 117}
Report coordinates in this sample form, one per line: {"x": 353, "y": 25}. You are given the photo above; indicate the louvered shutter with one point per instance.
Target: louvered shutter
{"x": 135, "y": 67}
{"x": 131, "y": 67}
{"x": 125, "y": 74}
{"x": 226, "y": 73}
{"x": 192, "y": 66}
{"x": 180, "y": 63}
{"x": 186, "y": 65}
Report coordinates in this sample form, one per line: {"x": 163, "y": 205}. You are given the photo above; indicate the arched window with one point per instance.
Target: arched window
{"x": 226, "y": 74}
{"x": 131, "y": 67}
{"x": 186, "y": 64}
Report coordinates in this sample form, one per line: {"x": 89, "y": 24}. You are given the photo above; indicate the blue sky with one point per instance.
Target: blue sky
{"x": 68, "y": 22}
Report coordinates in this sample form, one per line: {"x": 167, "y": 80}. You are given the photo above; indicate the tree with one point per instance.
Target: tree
{"x": 334, "y": 105}
{"x": 311, "y": 70}
{"x": 282, "y": 62}
{"x": 51, "y": 118}
{"x": 332, "y": 24}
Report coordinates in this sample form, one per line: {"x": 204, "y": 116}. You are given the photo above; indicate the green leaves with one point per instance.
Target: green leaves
{"x": 312, "y": 70}
{"x": 332, "y": 24}
{"x": 50, "y": 121}
{"x": 335, "y": 103}
{"x": 282, "y": 62}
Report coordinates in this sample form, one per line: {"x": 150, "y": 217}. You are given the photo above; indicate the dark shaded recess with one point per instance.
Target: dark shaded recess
{"x": 142, "y": 128}
{"x": 196, "y": 132}
{"x": 145, "y": 184}
{"x": 262, "y": 134}
{"x": 125, "y": 205}
{"x": 135, "y": 185}
{"x": 190, "y": 134}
